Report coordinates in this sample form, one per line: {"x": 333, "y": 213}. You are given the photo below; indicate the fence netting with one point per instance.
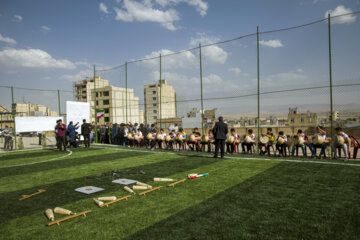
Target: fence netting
{"x": 286, "y": 79}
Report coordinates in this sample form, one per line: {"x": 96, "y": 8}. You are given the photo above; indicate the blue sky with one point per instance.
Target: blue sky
{"x": 51, "y": 44}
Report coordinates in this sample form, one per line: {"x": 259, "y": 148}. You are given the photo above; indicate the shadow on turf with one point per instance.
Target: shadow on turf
{"x": 35, "y": 153}
{"x": 61, "y": 193}
{"x": 63, "y": 163}
{"x": 288, "y": 201}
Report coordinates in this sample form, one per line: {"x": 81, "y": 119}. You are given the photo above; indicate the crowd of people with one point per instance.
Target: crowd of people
{"x": 214, "y": 140}
{"x": 69, "y": 136}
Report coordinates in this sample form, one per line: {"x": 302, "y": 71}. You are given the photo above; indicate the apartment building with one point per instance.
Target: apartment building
{"x": 153, "y": 104}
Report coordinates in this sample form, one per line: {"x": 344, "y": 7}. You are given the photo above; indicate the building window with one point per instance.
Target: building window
{"x": 97, "y": 94}
{"x": 106, "y": 94}
{"x": 292, "y": 120}
{"x": 302, "y": 119}
{"x": 107, "y": 119}
{"x": 97, "y": 102}
{"x": 154, "y": 98}
{"x": 154, "y": 111}
{"x": 154, "y": 104}
{"x": 155, "y": 117}
{"x": 106, "y": 102}
{"x": 154, "y": 92}
{"x": 106, "y": 110}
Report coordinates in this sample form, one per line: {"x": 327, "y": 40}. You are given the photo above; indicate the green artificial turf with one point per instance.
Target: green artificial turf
{"x": 242, "y": 198}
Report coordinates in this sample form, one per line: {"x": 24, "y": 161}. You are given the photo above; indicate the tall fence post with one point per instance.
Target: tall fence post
{"x": 126, "y": 95}
{"x": 13, "y": 111}
{"x": 95, "y": 112}
{"x": 258, "y": 89}
{"x": 160, "y": 115}
{"x": 201, "y": 90}
{"x": 330, "y": 75}
{"x": 59, "y": 102}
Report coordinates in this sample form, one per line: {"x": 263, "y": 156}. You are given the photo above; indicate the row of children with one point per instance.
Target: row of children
{"x": 280, "y": 145}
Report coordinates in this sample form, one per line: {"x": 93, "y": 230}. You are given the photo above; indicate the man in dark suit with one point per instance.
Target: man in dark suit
{"x": 220, "y": 130}
{"x": 85, "y": 131}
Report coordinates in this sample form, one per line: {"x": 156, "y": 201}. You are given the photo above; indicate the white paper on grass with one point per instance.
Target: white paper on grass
{"x": 35, "y": 124}
{"x": 89, "y": 189}
{"x": 124, "y": 181}
{"x": 76, "y": 112}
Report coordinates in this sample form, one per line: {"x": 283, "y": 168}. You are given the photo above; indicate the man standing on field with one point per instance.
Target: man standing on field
{"x": 85, "y": 131}
{"x": 60, "y": 134}
{"x": 220, "y": 130}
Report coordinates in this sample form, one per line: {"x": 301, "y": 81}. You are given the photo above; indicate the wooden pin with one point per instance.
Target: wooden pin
{"x": 154, "y": 189}
{"x": 67, "y": 218}
{"x": 173, "y": 184}
{"x": 33, "y": 194}
{"x": 114, "y": 201}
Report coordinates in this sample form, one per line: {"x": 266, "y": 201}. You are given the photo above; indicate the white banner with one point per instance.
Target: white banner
{"x": 76, "y": 112}
{"x": 35, "y": 124}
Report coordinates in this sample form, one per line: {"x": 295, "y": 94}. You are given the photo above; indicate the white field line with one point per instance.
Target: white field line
{"x": 25, "y": 150}
{"x": 240, "y": 158}
{"x": 50, "y": 160}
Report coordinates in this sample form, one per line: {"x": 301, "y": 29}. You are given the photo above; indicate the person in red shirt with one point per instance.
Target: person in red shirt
{"x": 60, "y": 135}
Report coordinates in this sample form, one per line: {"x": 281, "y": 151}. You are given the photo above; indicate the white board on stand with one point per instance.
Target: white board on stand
{"x": 76, "y": 112}
{"x": 35, "y": 124}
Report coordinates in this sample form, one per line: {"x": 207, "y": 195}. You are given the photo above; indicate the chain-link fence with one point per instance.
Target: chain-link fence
{"x": 286, "y": 79}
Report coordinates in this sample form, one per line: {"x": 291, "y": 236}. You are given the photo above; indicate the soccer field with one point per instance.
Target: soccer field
{"x": 243, "y": 197}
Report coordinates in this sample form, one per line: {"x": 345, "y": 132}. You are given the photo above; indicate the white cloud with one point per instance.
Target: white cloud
{"x": 103, "y": 8}
{"x": 83, "y": 63}
{"x": 235, "y": 70}
{"x": 200, "y": 5}
{"x": 136, "y": 11}
{"x": 147, "y": 3}
{"x": 300, "y": 70}
{"x": 340, "y": 10}
{"x": 183, "y": 60}
{"x": 282, "y": 79}
{"x": 178, "y": 81}
{"x": 186, "y": 84}
{"x": 213, "y": 53}
{"x": 77, "y": 76}
{"x": 17, "y": 18}
{"x": 212, "y": 79}
{"x": 271, "y": 43}
{"x": 45, "y": 28}
{"x": 11, "y": 59}
{"x": 46, "y": 78}
{"x": 7, "y": 40}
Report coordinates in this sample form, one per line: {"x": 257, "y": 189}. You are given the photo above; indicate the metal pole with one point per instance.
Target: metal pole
{"x": 160, "y": 115}
{"x": 258, "y": 87}
{"x": 13, "y": 111}
{"x": 201, "y": 89}
{"x": 96, "y": 134}
{"x": 126, "y": 94}
{"x": 330, "y": 71}
{"x": 58, "y": 103}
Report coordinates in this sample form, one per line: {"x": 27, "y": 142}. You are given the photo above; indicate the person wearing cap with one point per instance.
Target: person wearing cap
{"x": 220, "y": 130}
